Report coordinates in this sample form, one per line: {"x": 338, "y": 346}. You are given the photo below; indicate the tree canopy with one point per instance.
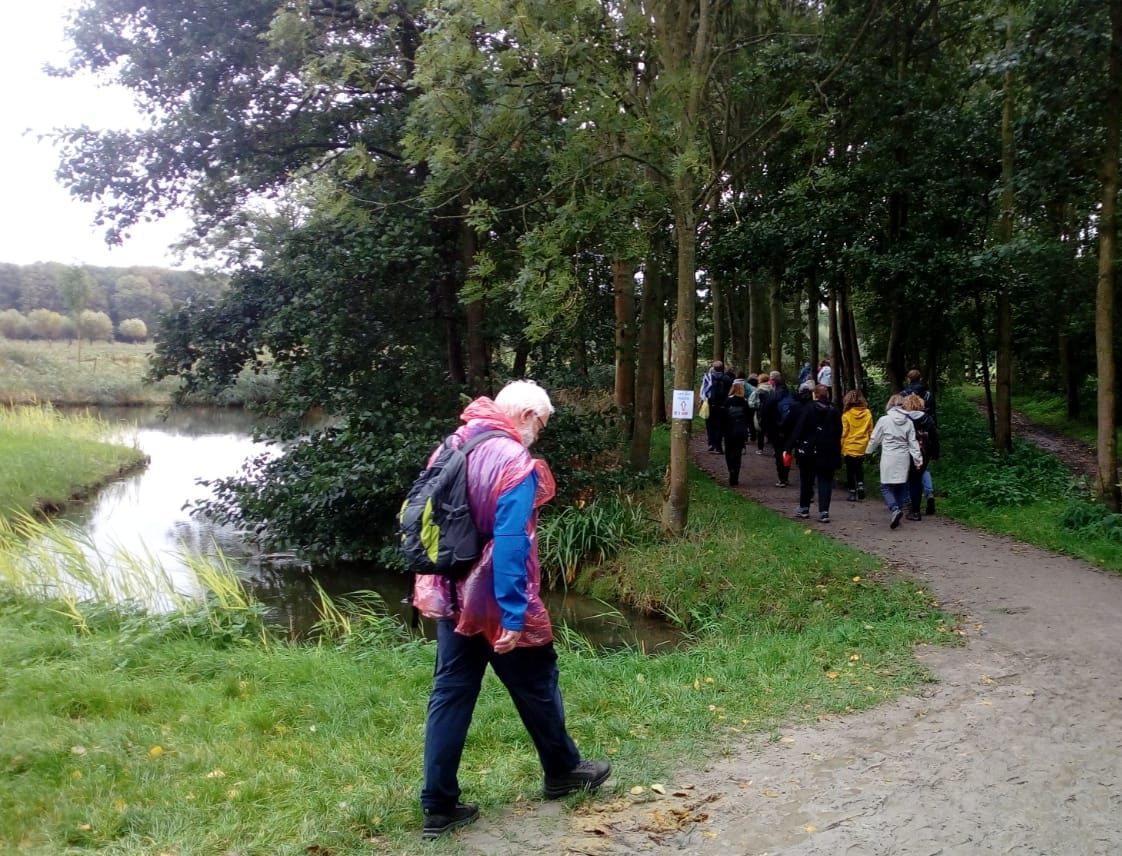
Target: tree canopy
{"x": 440, "y": 195}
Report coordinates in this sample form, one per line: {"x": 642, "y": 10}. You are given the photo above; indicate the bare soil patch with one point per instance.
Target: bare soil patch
{"x": 1014, "y": 748}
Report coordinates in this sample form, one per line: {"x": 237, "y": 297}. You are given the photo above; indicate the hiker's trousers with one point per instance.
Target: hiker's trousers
{"x": 529, "y": 675}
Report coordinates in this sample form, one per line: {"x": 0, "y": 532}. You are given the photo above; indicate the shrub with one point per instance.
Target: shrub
{"x": 95, "y": 326}
{"x": 132, "y": 330}
{"x": 45, "y": 324}
{"x": 13, "y": 325}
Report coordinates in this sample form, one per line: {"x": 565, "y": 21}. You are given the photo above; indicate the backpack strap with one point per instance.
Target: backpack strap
{"x": 481, "y": 437}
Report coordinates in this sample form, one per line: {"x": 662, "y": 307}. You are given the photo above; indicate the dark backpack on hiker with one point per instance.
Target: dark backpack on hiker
{"x": 928, "y": 438}
{"x": 437, "y": 534}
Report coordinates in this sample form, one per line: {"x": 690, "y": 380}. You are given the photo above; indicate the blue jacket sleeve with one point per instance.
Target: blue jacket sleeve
{"x": 512, "y": 549}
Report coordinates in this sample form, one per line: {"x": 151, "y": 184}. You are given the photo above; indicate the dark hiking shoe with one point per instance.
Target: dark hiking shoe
{"x": 824, "y": 517}
{"x": 802, "y": 512}
{"x": 586, "y": 776}
{"x": 437, "y": 825}
{"x": 781, "y": 484}
{"x": 852, "y": 496}
{"x": 861, "y": 490}
{"x": 930, "y": 505}
{"x": 896, "y": 515}
{"x": 914, "y": 516}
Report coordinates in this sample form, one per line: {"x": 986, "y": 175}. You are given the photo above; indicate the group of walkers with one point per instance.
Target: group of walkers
{"x": 805, "y": 428}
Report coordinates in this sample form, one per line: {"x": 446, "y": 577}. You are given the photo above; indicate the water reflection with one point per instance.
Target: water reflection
{"x": 292, "y": 596}
{"x": 146, "y": 513}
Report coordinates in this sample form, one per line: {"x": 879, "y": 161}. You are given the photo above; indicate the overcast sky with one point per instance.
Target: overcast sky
{"x": 39, "y": 221}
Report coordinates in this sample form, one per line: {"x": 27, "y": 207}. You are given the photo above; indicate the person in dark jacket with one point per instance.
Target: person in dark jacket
{"x": 771, "y": 419}
{"x": 738, "y": 419}
{"x": 715, "y": 389}
{"x": 918, "y": 387}
{"x": 815, "y": 442}
{"x": 928, "y": 437}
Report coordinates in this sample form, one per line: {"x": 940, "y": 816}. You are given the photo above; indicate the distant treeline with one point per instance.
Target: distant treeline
{"x": 121, "y": 293}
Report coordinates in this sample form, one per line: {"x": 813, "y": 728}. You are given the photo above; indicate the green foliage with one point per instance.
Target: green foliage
{"x": 335, "y": 492}
{"x": 974, "y": 473}
{"x": 592, "y": 531}
{"x": 1093, "y": 520}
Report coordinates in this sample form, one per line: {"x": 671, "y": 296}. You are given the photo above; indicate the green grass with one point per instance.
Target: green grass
{"x": 47, "y": 459}
{"x": 1026, "y": 495}
{"x": 132, "y": 735}
{"x": 105, "y": 373}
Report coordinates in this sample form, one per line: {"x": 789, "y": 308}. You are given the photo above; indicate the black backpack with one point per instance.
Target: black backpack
{"x": 436, "y": 532}
{"x": 927, "y": 435}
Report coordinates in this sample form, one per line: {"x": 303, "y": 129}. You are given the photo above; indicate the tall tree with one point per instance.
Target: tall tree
{"x": 1108, "y": 238}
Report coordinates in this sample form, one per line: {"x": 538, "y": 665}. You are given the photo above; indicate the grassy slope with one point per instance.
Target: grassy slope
{"x": 47, "y": 459}
{"x": 1026, "y": 495}
{"x": 106, "y": 373}
{"x": 123, "y": 741}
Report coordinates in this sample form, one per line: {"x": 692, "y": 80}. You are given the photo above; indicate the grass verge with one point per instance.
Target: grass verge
{"x": 129, "y": 734}
{"x": 1028, "y": 494}
{"x": 48, "y": 458}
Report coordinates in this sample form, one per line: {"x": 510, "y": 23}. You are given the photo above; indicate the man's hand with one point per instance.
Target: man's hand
{"x": 506, "y": 642}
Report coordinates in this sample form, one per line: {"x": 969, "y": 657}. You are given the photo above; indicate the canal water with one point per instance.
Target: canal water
{"x": 147, "y": 514}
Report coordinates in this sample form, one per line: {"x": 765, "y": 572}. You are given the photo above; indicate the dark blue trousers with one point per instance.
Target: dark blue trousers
{"x": 529, "y": 675}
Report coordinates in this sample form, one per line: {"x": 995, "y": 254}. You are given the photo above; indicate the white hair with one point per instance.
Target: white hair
{"x": 518, "y": 396}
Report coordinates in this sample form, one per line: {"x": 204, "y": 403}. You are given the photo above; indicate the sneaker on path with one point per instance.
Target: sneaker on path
{"x": 861, "y": 490}
{"x": 824, "y": 517}
{"x": 436, "y": 825}
{"x": 586, "y": 776}
{"x": 896, "y": 515}
{"x": 930, "y": 505}
{"x": 802, "y": 512}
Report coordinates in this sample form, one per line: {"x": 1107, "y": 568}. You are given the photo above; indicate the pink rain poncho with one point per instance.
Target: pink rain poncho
{"x": 493, "y": 468}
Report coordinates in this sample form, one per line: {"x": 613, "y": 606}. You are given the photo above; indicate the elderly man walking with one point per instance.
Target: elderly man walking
{"x": 496, "y": 615}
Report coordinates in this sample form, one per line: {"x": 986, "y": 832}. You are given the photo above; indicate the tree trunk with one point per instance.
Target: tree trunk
{"x": 837, "y": 361}
{"x": 812, "y": 302}
{"x": 478, "y": 369}
{"x": 757, "y": 324}
{"x": 984, "y": 351}
{"x": 1003, "y": 438}
{"x": 1104, "y": 293}
{"x": 623, "y": 286}
{"x": 650, "y": 364}
{"x": 776, "y": 348}
{"x": 675, "y": 510}
{"x": 521, "y": 358}
{"x": 849, "y": 340}
{"x": 716, "y": 291}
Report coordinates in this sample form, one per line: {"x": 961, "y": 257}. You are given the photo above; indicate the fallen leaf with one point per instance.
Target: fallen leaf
{"x": 78, "y": 750}
{"x": 155, "y": 751}
{"x": 638, "y": 789}
{"x": 216, "y": 774}
{"x": 658, "y": 788}
{"x": 810, "y": 828}
{"x": 786, "y": 739}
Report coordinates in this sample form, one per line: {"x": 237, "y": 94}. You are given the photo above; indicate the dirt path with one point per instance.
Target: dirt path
{"x": 1016, "y": 749}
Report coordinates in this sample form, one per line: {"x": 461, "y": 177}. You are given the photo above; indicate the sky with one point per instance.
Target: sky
{"x": 39, "y": 220}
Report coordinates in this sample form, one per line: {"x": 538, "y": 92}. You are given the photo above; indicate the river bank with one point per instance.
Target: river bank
{"x": 189, "y": 734}
{"x": 51, "y": 460}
